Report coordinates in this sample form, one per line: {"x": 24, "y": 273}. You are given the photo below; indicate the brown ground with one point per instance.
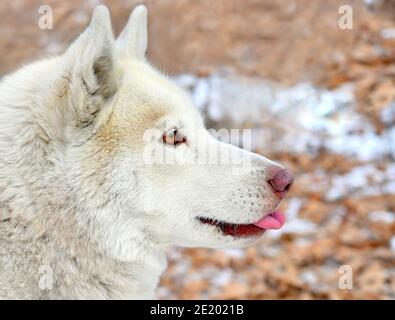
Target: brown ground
{"x": 286, "y": 41}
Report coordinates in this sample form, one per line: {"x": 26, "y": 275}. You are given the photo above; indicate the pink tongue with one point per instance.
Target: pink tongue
{"x": 274, "y": 220}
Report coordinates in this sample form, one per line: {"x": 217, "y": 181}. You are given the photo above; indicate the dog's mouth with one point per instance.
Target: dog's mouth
{"x": 274, "y": 220}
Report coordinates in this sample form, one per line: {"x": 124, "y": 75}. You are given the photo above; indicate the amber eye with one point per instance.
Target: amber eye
{"x": 173, "y": 137}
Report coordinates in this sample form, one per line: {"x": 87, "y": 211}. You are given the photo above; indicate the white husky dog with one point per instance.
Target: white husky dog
{"x": 84, "y": 212}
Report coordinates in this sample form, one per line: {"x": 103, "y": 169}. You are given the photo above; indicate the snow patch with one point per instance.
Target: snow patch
{"x": 302, "y": 118}
{"x": 382, "y": 216}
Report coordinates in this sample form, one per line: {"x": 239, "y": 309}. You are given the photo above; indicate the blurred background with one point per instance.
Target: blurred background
{"x": 318, "y": 98}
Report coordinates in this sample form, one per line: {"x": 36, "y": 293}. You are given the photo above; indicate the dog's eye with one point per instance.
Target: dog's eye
{"x": 173, "y": 137}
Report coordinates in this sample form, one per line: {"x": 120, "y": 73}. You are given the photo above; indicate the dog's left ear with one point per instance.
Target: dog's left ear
{"x": 133, "y": 40}
{"x": 91, "y": 67}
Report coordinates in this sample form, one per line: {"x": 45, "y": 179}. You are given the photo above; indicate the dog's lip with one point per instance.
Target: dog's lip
{"x": 273, "y": 220}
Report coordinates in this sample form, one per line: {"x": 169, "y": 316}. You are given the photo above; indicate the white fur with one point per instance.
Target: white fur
{"x": 76, "y": 193}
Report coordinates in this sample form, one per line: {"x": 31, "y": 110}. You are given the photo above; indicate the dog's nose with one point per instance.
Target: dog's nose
{"x": 281, "y": 182}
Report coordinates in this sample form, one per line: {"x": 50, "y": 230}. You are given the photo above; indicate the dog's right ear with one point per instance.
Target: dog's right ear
{"x": 90, "y": 63}
{"x": 133, "y": 40}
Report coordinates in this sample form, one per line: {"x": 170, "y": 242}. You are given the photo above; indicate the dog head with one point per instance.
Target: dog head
{"x": 138, "y": 158}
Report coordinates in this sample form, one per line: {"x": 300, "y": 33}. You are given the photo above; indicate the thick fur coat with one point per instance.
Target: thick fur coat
{"x": 84, "y": 211}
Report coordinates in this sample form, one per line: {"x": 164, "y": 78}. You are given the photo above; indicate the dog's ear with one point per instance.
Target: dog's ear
{"x": 91, "y": 67}
{"x": 133, "y": 40}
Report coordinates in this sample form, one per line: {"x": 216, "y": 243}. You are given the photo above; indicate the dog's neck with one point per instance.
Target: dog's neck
{"x": 128, "y": 245}
{"x": 97, "y": 264}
